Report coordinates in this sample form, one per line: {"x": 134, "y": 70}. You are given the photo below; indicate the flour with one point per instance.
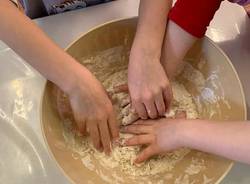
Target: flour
{"x": 196, "y": 166}
{"x": 110, "y": 67}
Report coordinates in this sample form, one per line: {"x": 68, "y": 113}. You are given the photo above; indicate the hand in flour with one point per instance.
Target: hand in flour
{"x": 160, "y": 136}
{"x": 149, "y": 87}
{"x": 92, "y": 111}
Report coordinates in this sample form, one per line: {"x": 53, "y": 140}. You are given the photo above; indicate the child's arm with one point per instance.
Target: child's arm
{"x": 188, "y": 22}
{"x": 148, "y": 84}
{"x": 23, "y": 36}
{"x": 176, "y": 44}
{"x": 227, "y": 139}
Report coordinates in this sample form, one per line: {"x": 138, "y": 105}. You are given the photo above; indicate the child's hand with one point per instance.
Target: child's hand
{"x": 149, "y": 87}
{"x": 160, "y": 136}
{"x": 93, "y": 111}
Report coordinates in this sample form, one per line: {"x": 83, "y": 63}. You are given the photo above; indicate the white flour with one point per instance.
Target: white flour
{"x": 110, "y": 67}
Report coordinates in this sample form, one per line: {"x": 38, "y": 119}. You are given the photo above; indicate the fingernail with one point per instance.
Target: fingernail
{"x": 136, "y": 161}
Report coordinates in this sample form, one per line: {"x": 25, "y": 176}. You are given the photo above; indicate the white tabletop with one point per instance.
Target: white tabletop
{"x": 24, "y": 156}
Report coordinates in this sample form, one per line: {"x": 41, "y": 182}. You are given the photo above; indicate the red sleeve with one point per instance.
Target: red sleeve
{"x": 194, "y": 15}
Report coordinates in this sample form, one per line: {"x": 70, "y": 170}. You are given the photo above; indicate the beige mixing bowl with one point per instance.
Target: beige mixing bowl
{"x": 222, "y": 98}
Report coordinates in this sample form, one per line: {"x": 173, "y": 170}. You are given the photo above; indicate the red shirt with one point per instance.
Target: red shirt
{"x": 194, "y": 16}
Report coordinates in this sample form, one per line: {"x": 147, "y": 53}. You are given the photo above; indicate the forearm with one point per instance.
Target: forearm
{"x": 151, "y": 25}
{"x": 188, "y": 20}
{"x": 176, "y": 44}
{"x": 228, "y": 139}
{"x": 23, "y": 36}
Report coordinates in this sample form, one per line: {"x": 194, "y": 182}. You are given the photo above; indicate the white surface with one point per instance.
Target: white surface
{"x": 24, "y": 158}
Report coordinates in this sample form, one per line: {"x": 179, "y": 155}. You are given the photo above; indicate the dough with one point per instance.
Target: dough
{"x": 110, "y": 67}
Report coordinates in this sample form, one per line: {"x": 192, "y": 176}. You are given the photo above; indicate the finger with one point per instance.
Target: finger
{"x": 140, "y": 109}
{"x": 121, "y": 88}
{"x": 144, "y": 122}
{"x": 63, "y": 105}
{"x": 105, "y": 136}
{"x": 110, "y": 94}
{"x": 94, "y": 134}
{"x": 151, "y": 109}
{"x": 130, "y": 119}
{"x": 54, "y": 94}
{"x": 125, "y": 101}
{"x": 160, "y": 104}
{"x": 181, "y": 115}
{"x": 82, "y": 127}
{"x": 168, "y": 96}
{"x": 137, "y": 129}
{"x": 113, "y": 126}
{"x": 139, "y": 140}
{"x": 146, "y": 154}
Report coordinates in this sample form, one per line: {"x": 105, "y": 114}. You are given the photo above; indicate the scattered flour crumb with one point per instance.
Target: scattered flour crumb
{"x": 196, "y": 166}
{"x": 207, "y": 180}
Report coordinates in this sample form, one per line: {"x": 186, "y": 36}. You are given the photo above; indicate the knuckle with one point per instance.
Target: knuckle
{"x": 109, "y": 109}
{"x": 165, "y": 85}
{"x": 156, "y": 91}
{"x": 148, "y": 96}
{"x": 100, "y": 116}
{"x": 136, "y": 98}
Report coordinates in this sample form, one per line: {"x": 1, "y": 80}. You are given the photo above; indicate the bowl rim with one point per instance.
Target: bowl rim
{"x": 52, "y": 156}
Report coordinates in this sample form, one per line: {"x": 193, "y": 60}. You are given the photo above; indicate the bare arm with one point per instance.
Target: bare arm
{"x": 148, "y": 84}
{"x": 228, "y": 139}
{"x": 152, "y": 25}
{"x": 23, "y": 36}
{"x": 176, "y": 44}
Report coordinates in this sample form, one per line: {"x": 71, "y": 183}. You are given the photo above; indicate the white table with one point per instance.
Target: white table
{"x": 24, "y": 156}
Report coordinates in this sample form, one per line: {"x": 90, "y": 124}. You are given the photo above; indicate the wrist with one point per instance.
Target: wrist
{"x": 187, "y": 133}
{"x": 146, "y": 44}
{"x": 141, "y": 52}
{"x": 73, "y": 77}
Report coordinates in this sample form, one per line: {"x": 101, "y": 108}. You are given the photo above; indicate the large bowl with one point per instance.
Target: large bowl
{"x": 221, "y": 80}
